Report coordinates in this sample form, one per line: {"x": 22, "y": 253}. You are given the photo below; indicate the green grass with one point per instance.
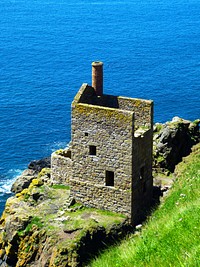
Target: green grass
{"x": 171, "y": 237}
{"x": 34, "y": 221}
{"x": 60, "y": 186}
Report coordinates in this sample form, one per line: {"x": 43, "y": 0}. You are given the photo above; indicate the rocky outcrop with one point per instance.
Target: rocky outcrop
{"x": 43, "y": 226}
{"x": 25, "y": 179}
{"x": 172, "y": 141}
{"x": 38, "y": 165}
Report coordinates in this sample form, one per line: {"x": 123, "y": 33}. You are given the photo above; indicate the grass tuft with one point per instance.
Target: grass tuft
{"x": 60, "y": 186}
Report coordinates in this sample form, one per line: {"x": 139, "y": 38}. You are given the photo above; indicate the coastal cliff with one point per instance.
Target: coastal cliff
{"x": 42, "y": 225}
{"x": 172, "y": 141}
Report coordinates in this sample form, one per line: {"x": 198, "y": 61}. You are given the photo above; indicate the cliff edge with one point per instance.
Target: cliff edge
{"x": 43, "y": 226}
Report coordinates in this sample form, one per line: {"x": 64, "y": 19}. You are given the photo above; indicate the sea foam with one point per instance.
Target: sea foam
{"x": 7, "y": 181}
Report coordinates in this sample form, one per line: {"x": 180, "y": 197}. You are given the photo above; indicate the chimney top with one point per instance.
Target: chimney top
{"x": 97, "y": 63}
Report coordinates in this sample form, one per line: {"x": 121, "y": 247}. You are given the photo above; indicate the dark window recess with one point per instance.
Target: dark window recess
{"x": 142, "y": 173}
{"x": 144, "y": 188}
{"x": 92, "y": 150}
{"x": 109, "y": 178}
{"x": 69, "y": 154}
{"x": 86, "y": 134}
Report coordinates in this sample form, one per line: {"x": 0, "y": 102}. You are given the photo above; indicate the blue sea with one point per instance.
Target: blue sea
{"x": 150, "y": 49}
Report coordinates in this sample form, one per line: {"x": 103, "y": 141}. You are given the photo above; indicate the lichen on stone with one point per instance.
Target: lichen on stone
{"x": 52, "y": 230}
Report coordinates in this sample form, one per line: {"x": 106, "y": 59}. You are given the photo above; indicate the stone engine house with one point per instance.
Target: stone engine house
{"x": 108, "y": 163}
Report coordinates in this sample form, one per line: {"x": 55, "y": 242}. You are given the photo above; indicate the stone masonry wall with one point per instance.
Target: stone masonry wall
{"x": 61, "y": 168}
{"x": 110, "y": 159}
{"x": 110, "y": 131}
{"x": 142, "y": 172}
{"x": 143, "y": 110}
{"x": 102, "y": 197}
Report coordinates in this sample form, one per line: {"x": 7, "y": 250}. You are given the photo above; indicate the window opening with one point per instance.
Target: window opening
{"x": 68, "y": 154}
{"x": 86, "y": 134}
{"x": 142, "y": 173}
{"x": 93, "y": 150}
{"x": 144, "y": 188}
{"x": 109, "y": 178}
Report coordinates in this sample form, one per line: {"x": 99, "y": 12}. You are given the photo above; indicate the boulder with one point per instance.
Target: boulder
{"x": 34, "y": 168}
{"x": 23, "y": 181}
{"x": 172, "y": 141}
{"x": 38, "y": 165}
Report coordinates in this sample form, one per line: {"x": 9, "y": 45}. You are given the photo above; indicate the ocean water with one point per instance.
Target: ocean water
{"x": 150, "y": 49}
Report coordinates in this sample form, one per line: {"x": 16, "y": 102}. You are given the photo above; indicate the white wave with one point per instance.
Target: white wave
{"x": 7, "y": 181}
{"x": 5, "y": 189}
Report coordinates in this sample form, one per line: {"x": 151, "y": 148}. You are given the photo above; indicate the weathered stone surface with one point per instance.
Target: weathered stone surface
{"x": 61, "y": 166}
{"x": 38, "y": 165}
{"x": 49, "y": 231}
{"x": 172, "y": 141}
{"x": 24, "y": 180}
{"x": 111, "y": 153}
{"x": 25, "y": 242}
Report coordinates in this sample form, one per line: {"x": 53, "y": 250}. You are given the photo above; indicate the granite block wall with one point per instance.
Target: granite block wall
{"x": 110, "y": 164}
{"x": 101, "y": 197}
{"x": 61, "y": 168}
{"x": 143, "y": 109}
{"x": 110, "y": 131}
{"x": 142, "y": 185}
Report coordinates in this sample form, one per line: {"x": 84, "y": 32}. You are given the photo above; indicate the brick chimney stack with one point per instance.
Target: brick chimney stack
{"x": 97, "y": 77}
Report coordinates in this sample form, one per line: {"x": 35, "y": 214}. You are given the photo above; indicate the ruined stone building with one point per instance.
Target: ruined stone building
{"x": 108, "y": 164}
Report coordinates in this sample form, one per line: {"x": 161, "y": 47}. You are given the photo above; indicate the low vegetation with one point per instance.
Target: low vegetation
{"x": 44, "y": 226}
{"x": 60, "y": 186}
{"x": 171, "y": 236}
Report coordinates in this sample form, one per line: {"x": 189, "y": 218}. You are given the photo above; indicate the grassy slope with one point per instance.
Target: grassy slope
{"x": 171, "y": 237}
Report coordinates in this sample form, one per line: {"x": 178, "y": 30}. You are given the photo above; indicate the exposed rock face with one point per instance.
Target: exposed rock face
{"x": 42, "y": 226}
{"x": 38, "y": 165}
{"x": 25, "y": 179}
{"x": 172, "y": 141}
